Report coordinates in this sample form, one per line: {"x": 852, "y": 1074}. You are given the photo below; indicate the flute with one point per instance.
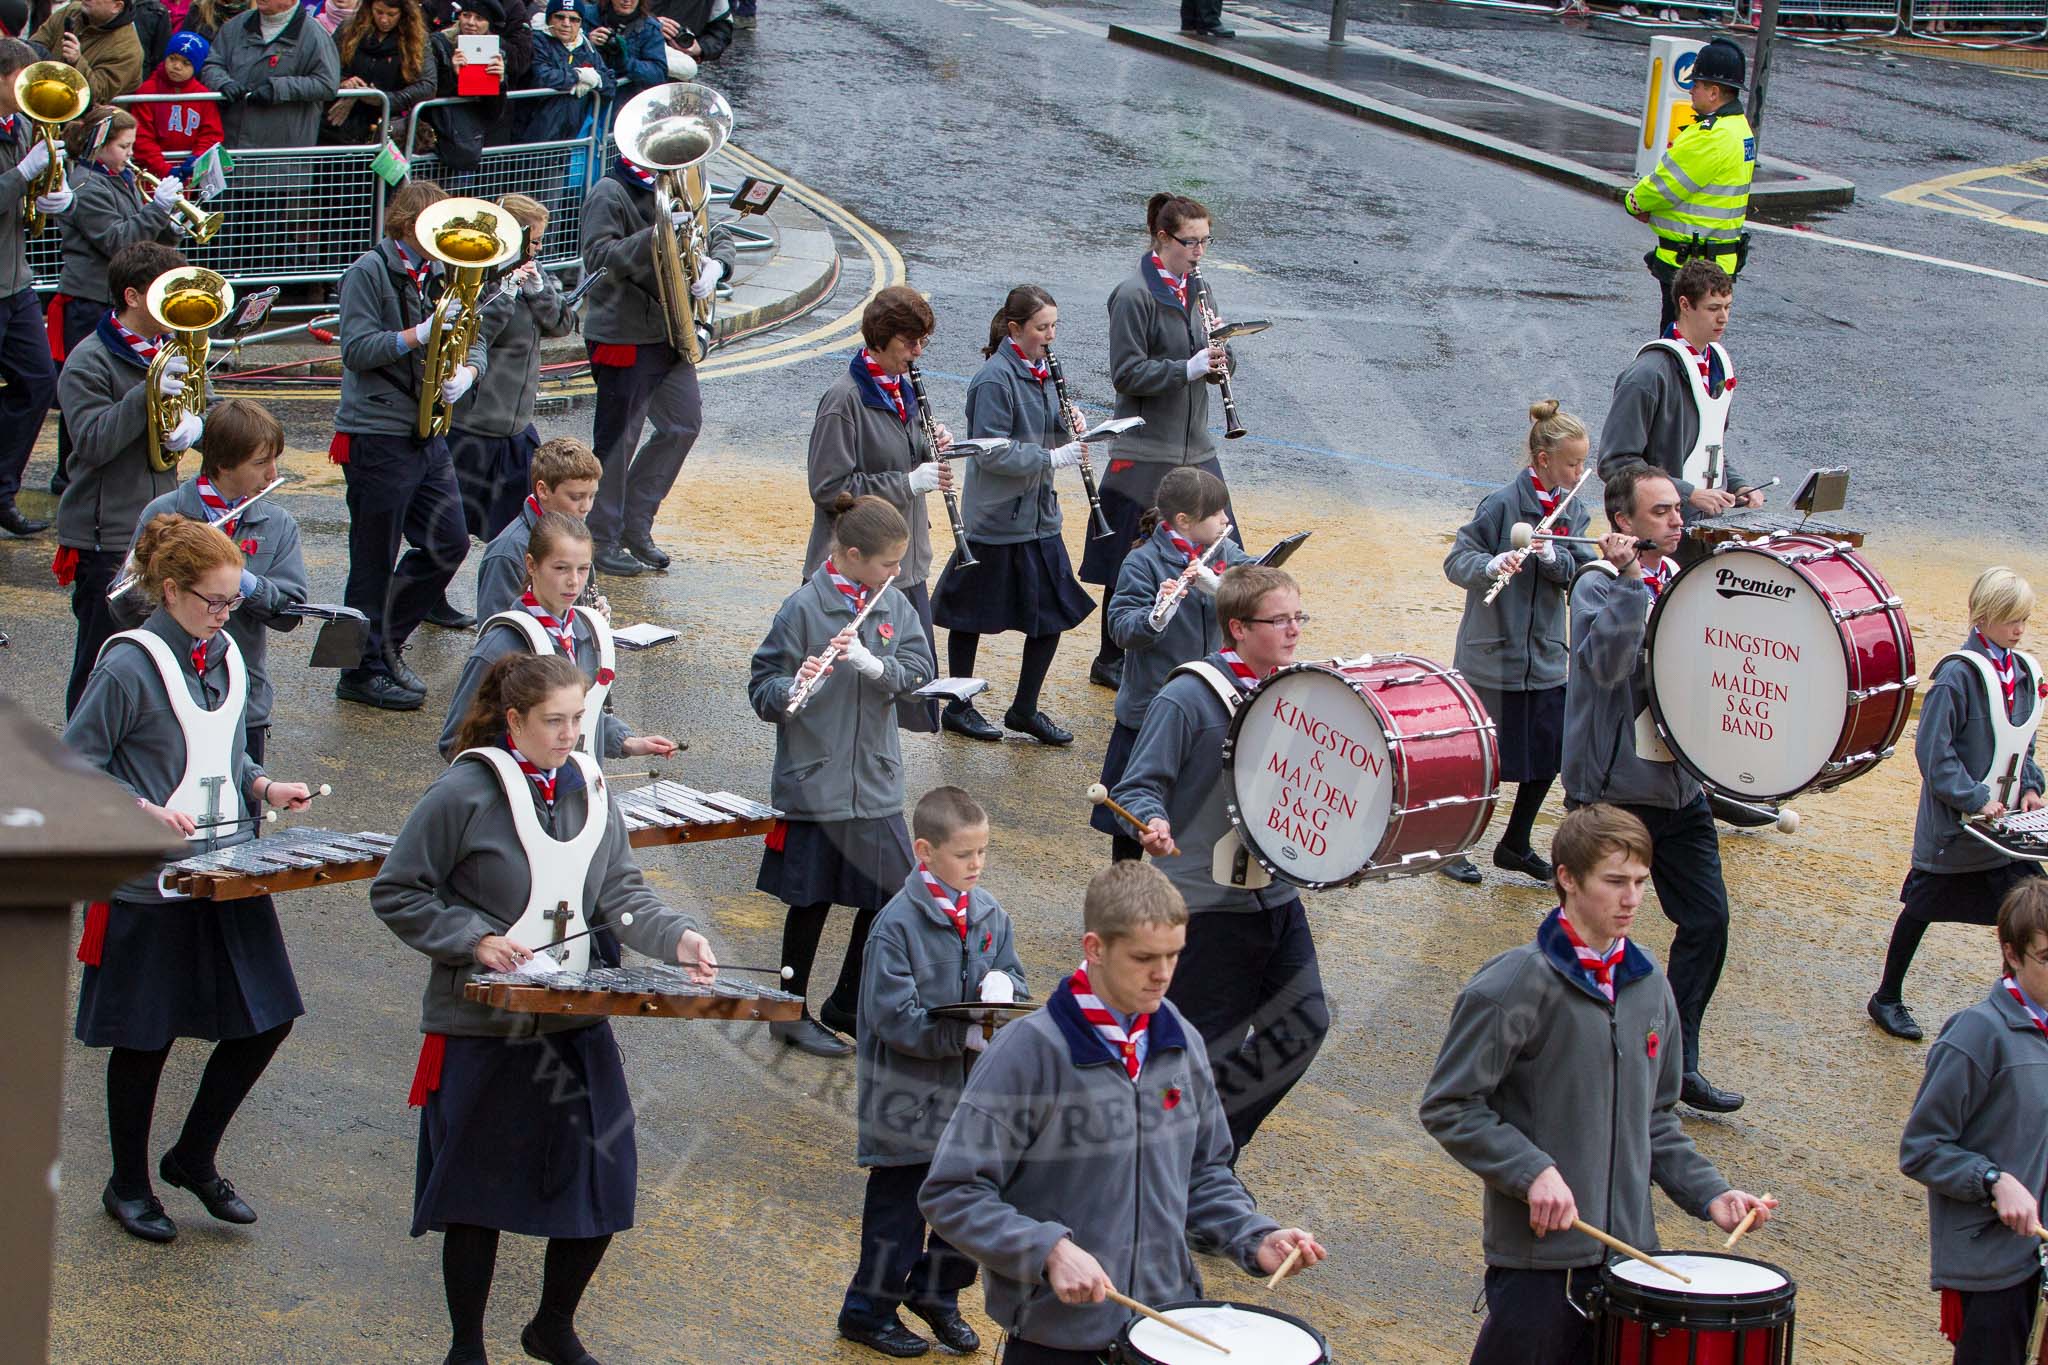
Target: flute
{"x": 801, "y": 693}
{"x": 931, "y": 433}
{"x": 1507, "y": 576}
{"x": 1098, "y": 524}
{"x": 1163, "y": 610}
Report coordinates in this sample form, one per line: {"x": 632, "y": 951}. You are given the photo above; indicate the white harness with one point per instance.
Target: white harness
{"x": 206, "y": 793}
{"x": 1230, "y": 863}
{"x": 1704, "y": 466}
{"x": 557, "y": 869}
{"x": 538, "y": 639}
{"x": 2010, "y": 739}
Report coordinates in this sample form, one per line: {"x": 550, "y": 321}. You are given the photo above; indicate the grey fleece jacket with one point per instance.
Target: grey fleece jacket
{"x": 1538, "y": 1070}
{"x": 839, "y": 758}
{"x": 501, "y": 402}
{"x": 302, "y": 68}
{"x": 1052, "y": 1139}
{"x": 617, "y": 237}
{"x": 106, "y": 409}
{"x": 106, "y": 215}
{"x": 1610, "y": 617}
{"x": 498, "y": 641}
{"x": 1150, "y": 343}
{"x": 1953, "y": 743}
{"x": 381, "y": 368}
{"x": 1979, "y": 1106}
{"x": 1518, "y": 643}
{"x": 1652, "y": 418}
{"x": 910, "y": 1065}
{"x": 1190, "y": 633}
{"x": 457, "y": 873}
{"x": 1009, "y": 497}
{"x": 860, "y": 450}
{"x": 501, "y": 573}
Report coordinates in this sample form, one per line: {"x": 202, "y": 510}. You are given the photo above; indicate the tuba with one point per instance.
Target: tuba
{"x": 471, "y": 237}
{"x": 190, "y": 302}
{"x": 51, "y": 94}
{"x": 672, "y": 130}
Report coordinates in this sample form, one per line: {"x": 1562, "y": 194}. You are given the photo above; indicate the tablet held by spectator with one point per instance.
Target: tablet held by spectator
{"x": 168, "y": 134}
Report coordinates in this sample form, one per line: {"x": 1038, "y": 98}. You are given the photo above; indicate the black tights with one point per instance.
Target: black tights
{"x": 469, "y": 1258}
{"x": 132, "y": 1077}
{"x": 962, "y": 645}
{"x": 1906, "y": 936}
{"x": 1529, "y": 798}
{"x": 801, "y": 931}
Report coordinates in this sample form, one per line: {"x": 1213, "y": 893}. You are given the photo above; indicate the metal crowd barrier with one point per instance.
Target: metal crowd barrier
{"x": 558, "y": 174}
{"x": 1965, "y": 21}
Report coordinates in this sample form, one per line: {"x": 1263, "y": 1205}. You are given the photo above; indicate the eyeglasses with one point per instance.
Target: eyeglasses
{"x": 1300, "y": 618}
{"x": 221, "y": 606}
{"x": 1194, "y": 243}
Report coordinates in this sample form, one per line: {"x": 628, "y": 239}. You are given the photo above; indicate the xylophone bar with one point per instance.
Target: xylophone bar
{"x": 643, "y": 992}
{"x": 290, "y": 860}
{"x": 667, "y": 812}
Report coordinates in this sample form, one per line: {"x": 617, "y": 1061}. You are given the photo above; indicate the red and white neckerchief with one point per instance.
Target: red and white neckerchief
{"x": 1701, "y": 363}
{"x": 853, "y": 592}
{"x": 416, "y": 273}
{"x": 1181, "y": 543}
{"x": 2034, "y": 1011}
{"x": 1177, "y": 283}
{"x": 1546, "y": 498}
{"x": 1039, "y": 369}
{"x": 1658, "y": 579}
{"x": 1600, "y": 968}
{"x": 217, "y": 504}
{"x": 2008, "y": 669}
{"x": 956, "y": 910}
{"x": 642, "y": 176}
{"x": 1124, "y": 1045}
{"x": 543, "y": 780}
{"x": 1240, "y": 671}
{"x": 199, "y": 658}
{"x": 563, "y": 635}
{"x": 534, "y": 509}
{"x": 7, "y": 127}
{"x": 892, "y": 385}
{"x": 145, "y": 348}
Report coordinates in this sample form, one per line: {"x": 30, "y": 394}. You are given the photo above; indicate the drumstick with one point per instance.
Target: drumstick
{"x": 1616, "y": 1244}
{"x": 1142, "y": 1311}
{"x": 626, "y": 917}
{"x": 1292, "y": 1258}
{"x": 1099, "y": 794}
{"x": 1748, "y": 1221}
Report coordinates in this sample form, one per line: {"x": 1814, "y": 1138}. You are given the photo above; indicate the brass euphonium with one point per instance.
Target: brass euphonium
{"x": 672, "y": 130}
{"x": 472, "y": 237}
{"x": 51, "y": 94}
{"x": 201, "y": 223}
{"x": 190, "y": 302}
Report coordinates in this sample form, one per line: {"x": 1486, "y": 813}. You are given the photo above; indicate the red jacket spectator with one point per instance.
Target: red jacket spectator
{"x": 169, "y": 132}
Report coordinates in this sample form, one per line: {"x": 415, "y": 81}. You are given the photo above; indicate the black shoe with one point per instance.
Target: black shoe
{"x": 560, "y": 1347}
{"x": 838, "y": 1018}
{"x": 647, "y": 552}
{"x": 1107, "y": 673}
{"x": 1040, "y": 727}
{"x": 962, "y": 719}
{"x": 378, "y": 689}
{"x": 1742, "y": 817}
{"x": 949, "y": 1327}
{"x": 144, "y": 1217}
{"x": 891, "y": 1338}
{"x": 1462, "y": 869}
{"x": 611, "y": 560}
{"x": 14, "y": 523}
{"x": 219, "y": 1197}
{"x": 448, "y": 616}
{"x": 1211, "y": 31}
{"x": 58, "y": 483}
{"x": 1528, "y": 862}
{"x": 808, "y": 1035}
{"x": 1703, "y": 1095}
{"x": 398, "y": 668}
{"x": 466, "y": 1355}
{"x": 1894, "y": 1018}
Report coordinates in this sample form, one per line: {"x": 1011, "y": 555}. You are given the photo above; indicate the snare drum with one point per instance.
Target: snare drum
{"x": 1258, "y": 1336}
{"x": 1735, "y": 1312}
{"x": 1780, "y": 665}
{"x": 1353, "y": 769}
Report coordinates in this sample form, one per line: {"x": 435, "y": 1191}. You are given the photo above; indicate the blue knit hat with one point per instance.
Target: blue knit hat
{"x": 191, "y": 47}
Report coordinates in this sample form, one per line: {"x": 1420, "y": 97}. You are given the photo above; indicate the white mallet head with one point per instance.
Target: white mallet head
{"x": 1521, "y": 535}
{"x": 1788, "y": 820}
{"x": 270, "y": 817}
{"x": 625, "y": 917}
{"x": 1098, "y": 793}
{"x": 324, "y": 790}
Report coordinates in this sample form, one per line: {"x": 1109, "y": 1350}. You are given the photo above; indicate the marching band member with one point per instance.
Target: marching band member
{"x": 640, "y": 377}
{"x": 1513, "y": 650}
{"x": 518, "y": 819}
{"x": 1250, "y": 964}
{"x": 163, "y": 716}
{"x": 1162, "y": 364}
{"x": 243, "y": 443}
{"x": 1975, "y": 1140}
{"x": 1022, "y": 579}
{"x": 1982, "y": 705}
{"x": 104, "y": 392}
{"x": 1555, "y": 1086}
{"x": 401, "y": 485}
{"x": 564, "y": 475}
{"x": 938, "y": 941}
{"x": 492, "y": 438}
{"x": 25, "y": 361}
{"x": 838, "y": 762}
{"x": 868, "y": 438}
{"x": 1612, "y": 753}
{"x": 1032, "y": 1182}
{"x": 546, "y": 620}
{"x": 1191, "y": 514}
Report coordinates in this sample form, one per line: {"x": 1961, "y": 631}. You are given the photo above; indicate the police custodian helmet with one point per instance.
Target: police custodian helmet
{"x": 1720, "y": 62}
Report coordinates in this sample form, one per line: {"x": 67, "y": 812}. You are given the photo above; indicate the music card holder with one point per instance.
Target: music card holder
{"x": 967, "y": 447}
{"x": 755, "y": 195}
{"x": 1115, "y": 426}
{"x": 344, "y": 633}
{"x": 255, "y": 307}
{"x": 1283, "y": 550}
{"x": 1822, "y": 491}
{"x": 1230, "y": 331}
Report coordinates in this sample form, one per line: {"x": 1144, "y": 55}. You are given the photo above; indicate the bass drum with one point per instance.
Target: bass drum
{"x": 1344, "y": 771}
{"x": 1780, "y": 665}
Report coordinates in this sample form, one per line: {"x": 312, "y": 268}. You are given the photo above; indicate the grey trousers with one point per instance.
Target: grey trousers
{"x": 658, "y": 387}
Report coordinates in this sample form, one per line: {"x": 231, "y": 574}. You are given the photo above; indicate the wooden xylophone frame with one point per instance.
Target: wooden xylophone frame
{"x": 540, "y": 998}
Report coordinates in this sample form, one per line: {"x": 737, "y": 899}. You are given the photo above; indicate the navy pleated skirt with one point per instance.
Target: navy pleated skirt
{"x": 1028, "y": 587}
{"x": 1530, "y": 728}
{"x": 187, "y": 969}
{"x": 856, "y": 863}
{"x": 1961, "y": 897}
{"x": 529, "y": 1135}
{"x": 1122, "y": 739}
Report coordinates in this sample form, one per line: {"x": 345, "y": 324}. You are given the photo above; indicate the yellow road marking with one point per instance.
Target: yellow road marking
{"x": 1975, "y": 194}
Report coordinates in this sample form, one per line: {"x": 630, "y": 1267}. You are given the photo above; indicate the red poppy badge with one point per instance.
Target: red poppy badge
{"x": 886, "y": 631}
{"x": 1650, "y": 1044}
{"x": 1172, "y": 1097}
{"x": 249, "y": 547}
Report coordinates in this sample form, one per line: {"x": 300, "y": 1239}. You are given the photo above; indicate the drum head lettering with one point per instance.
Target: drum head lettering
{"x": 1251, "y": 1335}
{"x": 1312, "y": 777}
{"x": 1748, "y": 675}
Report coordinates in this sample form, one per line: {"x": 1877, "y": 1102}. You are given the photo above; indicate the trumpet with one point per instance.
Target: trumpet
{"x": 198, "y": 221}
{"x": 471, "y": 237}
{"x": 672, "y": 130}
{"x": 801, "y": 693}
{"x": 1098, "y": 524}
{"x": 1211, "y": 325}
{"x": 190, "y": 302}
{"x": 931, "y": 433}
{"x": 1163, "y": 610}
{"x": 51, "y": 94}
{"x": 1542, "y": 528}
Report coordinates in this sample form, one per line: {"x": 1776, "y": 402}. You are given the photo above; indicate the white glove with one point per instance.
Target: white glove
{"x": 998, "y": 989}
{"x": 708, "y": 276}
{"x": 586, "y": 81}
{"x": 863, "y": 660}
{"x": 1545, "y": 550}
{"x": 188, "y": 430}
{"x": 457, "y": 384}
{"x": 60, "y": 202}
{"x": 1198, "y": 366}
{"x": 1066, "y": 456}
{"x": 35, "y": 160}
{"x": 1499, "y": 563}
{"x": 678, "y": 217}
{"x": 924, "y": 479}
{"x": 167, "y": 191}
{"x": 451, "y": 309}
{"x": 1205, "y": 580}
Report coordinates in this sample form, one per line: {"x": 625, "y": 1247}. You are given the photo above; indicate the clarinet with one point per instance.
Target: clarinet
{"x": 1098, "y": 524}
{"x": 966, "y": 559}
{"x": 1211, "y": 324}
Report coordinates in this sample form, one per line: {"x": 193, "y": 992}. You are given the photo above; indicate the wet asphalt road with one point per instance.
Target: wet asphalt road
{"x": 1421, "y": 299}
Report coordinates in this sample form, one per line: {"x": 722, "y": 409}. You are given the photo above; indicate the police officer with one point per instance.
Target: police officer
{"x": 1698, "y": 196}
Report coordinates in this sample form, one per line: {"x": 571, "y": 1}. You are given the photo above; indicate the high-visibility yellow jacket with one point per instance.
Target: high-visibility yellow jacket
{"x": 1701, "y": 187}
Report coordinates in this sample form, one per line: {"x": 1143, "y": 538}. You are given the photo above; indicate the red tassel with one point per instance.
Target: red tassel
{"x": 426, "y": 1077}
{"x": 614, "y": 355}
{"x": 93, "y": 941}
{"x": 337, "y": 449}
{"x": 1951, "y": 1314}
{"x": 65, "y": 565}
{"x": 53, "y": 324}
{"x": 778, "y": 836}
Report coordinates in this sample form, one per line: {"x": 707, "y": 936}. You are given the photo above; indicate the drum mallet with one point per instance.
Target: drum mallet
{"x": 1784, "y": 817}
{"x": 1616, "y": 1244}
{"x": 269, "y": 816}
{"x": 1099, "y": 794}
{"x": 1522, "y": 535}
{"x": 1293, "y": 1259}
{"x": 626, "y": 917}
{"x": 1142, "y": 1311}
{"x": 1748, "y": 1222}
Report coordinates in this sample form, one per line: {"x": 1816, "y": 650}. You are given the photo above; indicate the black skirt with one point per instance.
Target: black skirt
{"x": 529, "y": 1135}
{"x": 1028, "y": 587}
{"x": 856, "y": 863}
{"x": 187, "y": 969}
{"x": 1530, "y": 728}
{"x": 1128, "y": 491}
{"x": 495, "y": 475}
{"x": 1961, "y": 897}
{"x": 1122, "y": 739}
